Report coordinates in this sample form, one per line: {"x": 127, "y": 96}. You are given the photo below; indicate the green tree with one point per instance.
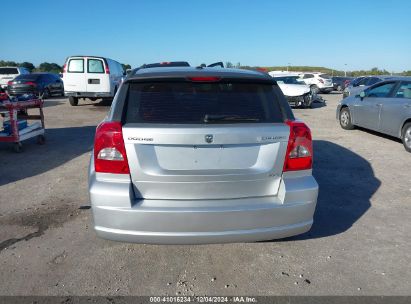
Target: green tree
{"x": 8, "y": 63}
{"x": 28, "y": 65}
{"x": 126, "y": 66}
{"x": 49, "y": 67}
{"x": 229, "y": 65}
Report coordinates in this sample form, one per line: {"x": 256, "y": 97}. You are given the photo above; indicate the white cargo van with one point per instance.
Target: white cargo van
{"x": 91, "y": 77}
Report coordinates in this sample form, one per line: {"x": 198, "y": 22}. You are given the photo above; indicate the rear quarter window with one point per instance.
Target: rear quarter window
{"x": 76, "y": 66}
{"x": 196, "y": 103}
{"x": 5, "y": 71}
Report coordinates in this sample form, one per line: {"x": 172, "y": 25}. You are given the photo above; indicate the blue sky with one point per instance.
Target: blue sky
{"x": 361, "y": 34}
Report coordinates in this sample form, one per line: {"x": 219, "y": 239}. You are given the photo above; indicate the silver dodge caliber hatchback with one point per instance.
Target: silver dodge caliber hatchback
{"x": 201, "y": 155}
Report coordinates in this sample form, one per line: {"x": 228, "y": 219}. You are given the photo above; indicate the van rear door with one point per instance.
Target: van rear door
{"x": 98, "y": 77}
{"x": 75, "y": 77}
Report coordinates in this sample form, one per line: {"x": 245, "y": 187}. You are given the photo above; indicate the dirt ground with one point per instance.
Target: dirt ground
{"x": 359, "y": 244}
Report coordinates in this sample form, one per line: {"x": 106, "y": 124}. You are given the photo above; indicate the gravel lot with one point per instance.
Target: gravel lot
{"x": 359, "y": 244}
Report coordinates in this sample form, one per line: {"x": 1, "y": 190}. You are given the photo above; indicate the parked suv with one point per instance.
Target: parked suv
{"x": 318, "y": 82}
{"x": 201, "y": 155}
{"x": 9, "y": 73}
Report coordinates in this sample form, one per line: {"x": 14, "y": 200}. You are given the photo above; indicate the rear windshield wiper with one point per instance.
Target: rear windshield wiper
{"x": 209, "y": 118}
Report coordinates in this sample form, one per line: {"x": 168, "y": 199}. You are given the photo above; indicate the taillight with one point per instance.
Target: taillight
{"x": 107, "y": 69}
{"x": 204, "y": 79}
{"x": 300, "y": 147}
{"x": 31, "y": 83}
{"x": 109, "y": 149}
{"x": 10, "y": 83}
{"x": 64, "y": 69}
{"x": 322, "y": 81}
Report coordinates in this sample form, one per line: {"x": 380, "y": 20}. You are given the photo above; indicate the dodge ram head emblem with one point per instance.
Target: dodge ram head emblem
{"x": 208, "y": 138}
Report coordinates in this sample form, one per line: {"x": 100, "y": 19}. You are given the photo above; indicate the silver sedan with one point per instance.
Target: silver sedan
{"x": 384, "y": 107}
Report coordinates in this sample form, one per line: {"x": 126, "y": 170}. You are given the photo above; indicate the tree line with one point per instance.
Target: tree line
{"x": 49, "y": 67}
{"x": 332, "y": 72}
{"x": 55, "y": 68}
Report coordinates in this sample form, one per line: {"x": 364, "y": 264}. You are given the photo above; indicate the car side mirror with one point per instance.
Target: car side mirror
{"x": 362, "y": 95}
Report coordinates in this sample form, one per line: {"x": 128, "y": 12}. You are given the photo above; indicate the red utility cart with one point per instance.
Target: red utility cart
{"x": 18, "y": 110}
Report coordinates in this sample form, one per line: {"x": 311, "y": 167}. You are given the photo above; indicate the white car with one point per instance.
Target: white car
{"x": 318, "y": 82}
{"x": 9, "y": 73}
{"x": 91, "y": 77}
{"x": 296, "y": 91}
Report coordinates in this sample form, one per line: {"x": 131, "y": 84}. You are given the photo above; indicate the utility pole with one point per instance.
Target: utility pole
{"x": 345, "y": 71}
{"x": 288, "y": 65}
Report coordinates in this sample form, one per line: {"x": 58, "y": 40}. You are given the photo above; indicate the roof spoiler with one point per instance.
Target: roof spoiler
{"x": 215, "y": 64}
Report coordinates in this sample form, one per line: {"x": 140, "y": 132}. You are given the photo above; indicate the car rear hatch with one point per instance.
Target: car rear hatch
{"x": 23, "y": 84}
{"x": 327, "y": 80}
{"x": 204, "y": 140}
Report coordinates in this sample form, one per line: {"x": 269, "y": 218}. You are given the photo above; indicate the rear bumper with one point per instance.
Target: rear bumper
{"x": 119, "y": 217}
{"x": 20, "y": 91}
{"x": 88, "y": 94}
{"x": 250, "y": 235}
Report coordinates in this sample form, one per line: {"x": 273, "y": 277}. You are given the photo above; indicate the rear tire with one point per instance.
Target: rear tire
{"x": 406, "y": 136}
{"x": 345, "y": 119}
{"x": 73, "y": 101}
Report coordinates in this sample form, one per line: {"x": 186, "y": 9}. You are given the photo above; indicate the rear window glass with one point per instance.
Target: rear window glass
{"x": 5, "y": 71}
{"x": 362, "y": 81}
{"x": 95, "y": 66}
{"x": 76, "y": 66}
{"x": 200, "y": 103}
{"x": 325, "y": 76}
{"x": 27, "y": 77}
{"x": 372, "y": 81}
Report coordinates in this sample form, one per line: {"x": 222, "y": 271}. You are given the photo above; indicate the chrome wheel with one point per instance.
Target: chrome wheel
{"x": 345, "y": 118}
